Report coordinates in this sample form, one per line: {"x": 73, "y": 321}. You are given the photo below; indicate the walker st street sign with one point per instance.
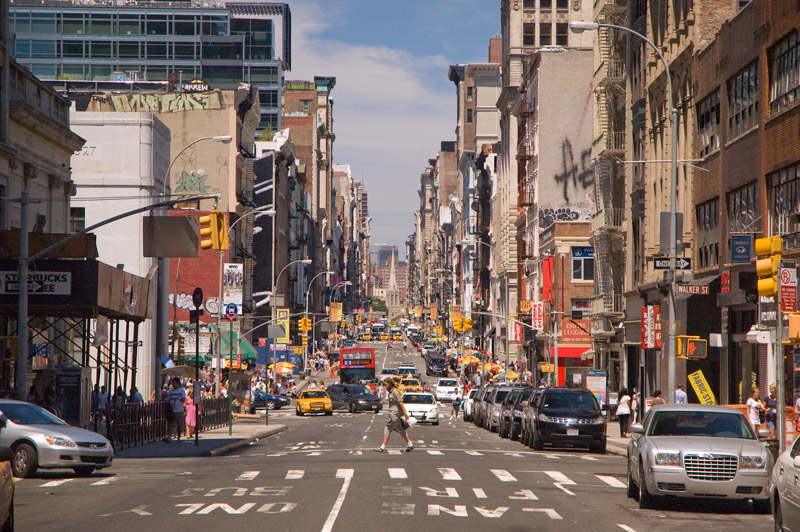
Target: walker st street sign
{"x": 681, "y": 263}
{"x": 53, "y": 283}
{"x": 693, "y": 289}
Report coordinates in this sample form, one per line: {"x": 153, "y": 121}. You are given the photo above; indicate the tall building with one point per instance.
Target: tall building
{"x": 220, "y": 44}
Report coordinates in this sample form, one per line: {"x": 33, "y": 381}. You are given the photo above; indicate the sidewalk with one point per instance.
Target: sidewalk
{"x": 616, "y": 445}
{"x": 212, "y": 443}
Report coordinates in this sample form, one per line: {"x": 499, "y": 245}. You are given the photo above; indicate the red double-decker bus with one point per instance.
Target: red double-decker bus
{"x": 357, "y": 364}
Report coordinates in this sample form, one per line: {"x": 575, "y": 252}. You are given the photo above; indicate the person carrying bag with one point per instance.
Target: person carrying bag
{"x": 397, "y": 419}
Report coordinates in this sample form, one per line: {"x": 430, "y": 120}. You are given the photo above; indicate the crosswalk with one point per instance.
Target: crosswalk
{"x": 421, "y": 448}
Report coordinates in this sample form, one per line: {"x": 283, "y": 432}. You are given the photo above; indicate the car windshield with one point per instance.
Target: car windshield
{"x": 389, "y": 371}
{"x": 437, "y": 360}
{"x": 359, "y": 390}
{"x": 579, "y": 401}
{"x": 409, "y": 382}
{"x": 418, "y": 399}
{"x": 408, "y": 371}
{"x": 25, "y": 414}
{"x": 501, "y": 394}
{"x": 526, "y": 394}
{"x": 513, "y": 397}
{"x": 448, "y": 383}
{"x": 314, "y": 394}
{"x": 698, "y": 423}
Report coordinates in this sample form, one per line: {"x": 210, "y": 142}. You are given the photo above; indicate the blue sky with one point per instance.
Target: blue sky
{"x": 393, "y": 103}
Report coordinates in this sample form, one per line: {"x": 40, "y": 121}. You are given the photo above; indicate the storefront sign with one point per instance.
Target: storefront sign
{"x": 651, "y": 327}
{"x": 725, "y": 282}
{"x": 53, "y": 283}
{"x": 283, "y": 320}
{"x": 434, "y": 315}
{"x": 537, "y": 316}
{"x": 525, "y": 306}
{"x": 741, "y": 246}
{"x": 233, "y": 285}
{"x": 576, "y": 332}
{"x": 701, "y": 388}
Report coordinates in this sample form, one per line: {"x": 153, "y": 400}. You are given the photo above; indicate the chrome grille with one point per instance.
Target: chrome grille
{"x": 711, "y": 467}
{"x": 571, "y": 420}
{"x": 90, "y": 445}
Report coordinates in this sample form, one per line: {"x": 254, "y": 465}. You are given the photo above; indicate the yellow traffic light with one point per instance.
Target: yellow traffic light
{"x": 467, "y": 324}
{"x": 214, "y": 231}
{"x": 458, "y": 323}
{"x": 304, "y": 324}
{"x": 767, "y": 268}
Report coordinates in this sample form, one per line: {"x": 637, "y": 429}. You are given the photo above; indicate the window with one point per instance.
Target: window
{"x": 306, "y": 105}
{"x": 469, "y": 116}
{"x": 156, "y": 25}
{"x": 469, "y": 93}
{"x": 77, "y": 219}
{"x": 783, "y": 192}
{"x": 545, "y": 34}
{"x": 73, "y": 24}
{"x": 184, "y": 25}
{"x": 784, "y": 72}
{"x": 129, "y": 49}
{"x": 708, "y": 234}
{"x": 156, "y": 50}
{"x": 562, "y": 4}
{"x": 43, "y": 23}
{"x": 561, "y": 34}
{"x": 742, "y": 209}
{"x": 100, "y": 49}
{"x": 582, "y": 263}
{"x": 100, "y": 24}
{"x": 129, "y": 25}
{"x": 528, "y": 34}
{"x": 184, "y": 51}
{"x": 546, "y": 4}
{"x": 72, "y": 49}
{"x": 708, "y": 123}
{"x": 528, "y": 4}
{"x": 743, "y": 101}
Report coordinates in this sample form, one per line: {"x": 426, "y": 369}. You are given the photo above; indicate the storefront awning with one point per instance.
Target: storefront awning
{"x": 247, "y": 349}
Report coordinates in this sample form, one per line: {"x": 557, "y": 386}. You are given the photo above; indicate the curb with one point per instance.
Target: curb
{"x": 616, "y": 450}
{"x": 245, "y": 441}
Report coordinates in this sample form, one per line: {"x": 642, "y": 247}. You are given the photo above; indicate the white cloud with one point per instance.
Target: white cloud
{"x": 391, "y": 111}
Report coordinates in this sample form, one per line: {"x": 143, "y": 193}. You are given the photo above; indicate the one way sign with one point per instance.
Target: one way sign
{"x": 681, "y": 263}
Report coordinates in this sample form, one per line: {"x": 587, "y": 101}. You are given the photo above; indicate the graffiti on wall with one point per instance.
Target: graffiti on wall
{"x": 576, "y": 174}
{"x": 192, "y": 182}
{"x": 157, "y": 103}
{"x": 184, "y": 302}
{"x": 548, "y": 216}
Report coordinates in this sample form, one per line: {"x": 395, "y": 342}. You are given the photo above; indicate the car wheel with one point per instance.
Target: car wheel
{"x": 329, "y": 413}
{"x": 271, "y": 405}
{"x": 645, "y": 499}
{"x": 761, "y": 507}
{"x": 84, "y": 471}
{"x": 513, "y": 435}
{"x": 537, "y": 443}
{"x": 25, "y": 461}
{"x": 632, "y": 490}
{"x": 599, "y": 448}
{"x": 777, "y": 514}
{"x": 435, "y": 423}
{"x": 502, "y": 430}
{"x": 353, "y": 408}
{"x": 298, "y": 412}
{"x": 8, "y": 526}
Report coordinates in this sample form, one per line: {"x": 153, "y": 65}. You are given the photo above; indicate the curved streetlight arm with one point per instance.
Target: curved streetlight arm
{"x": 303, "y": 261}
{"x": 225, "y": 139}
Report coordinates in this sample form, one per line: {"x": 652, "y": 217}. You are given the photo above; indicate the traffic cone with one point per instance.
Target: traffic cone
{"x": 332, "y": 375}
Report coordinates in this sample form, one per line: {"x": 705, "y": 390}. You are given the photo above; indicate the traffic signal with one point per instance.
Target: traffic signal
{"x": 691, "y": 347}
{"x": 458, "y": 323}
{"x": 767, "y": 268}
{"x": 180, "y": 346}
{"x": 467, "y": 325}
{"x": 214, "y": 230}
{"x": 305, "y": 324}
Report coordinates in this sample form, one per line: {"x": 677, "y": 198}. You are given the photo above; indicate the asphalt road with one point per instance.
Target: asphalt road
{"x": 322, "y": 475}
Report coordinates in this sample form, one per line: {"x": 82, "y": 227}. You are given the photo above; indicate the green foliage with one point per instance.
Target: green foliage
{"x": 379, "y": 305}
{"x": 266, "y": 134}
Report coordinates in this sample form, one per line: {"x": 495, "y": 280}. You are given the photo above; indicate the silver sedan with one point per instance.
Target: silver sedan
{"x": 697, "y": 451}
{"x": 39, "y": 439}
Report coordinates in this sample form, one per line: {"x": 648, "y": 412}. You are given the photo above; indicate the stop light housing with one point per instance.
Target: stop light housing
{"x": 770, "y": 249}
{"x": 467, "y": 324}
{"x": 305, "y": 324}
{"x": 458, "y": 324}
{"x": 214, "y": 231}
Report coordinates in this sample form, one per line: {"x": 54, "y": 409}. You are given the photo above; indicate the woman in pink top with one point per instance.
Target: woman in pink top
{"x": 191, "y": 414}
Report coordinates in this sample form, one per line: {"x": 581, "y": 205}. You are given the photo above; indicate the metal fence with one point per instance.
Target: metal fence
{"x": 132, "y": 424}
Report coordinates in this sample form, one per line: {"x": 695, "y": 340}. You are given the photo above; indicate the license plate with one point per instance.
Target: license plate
{"x": 572, "y": 432}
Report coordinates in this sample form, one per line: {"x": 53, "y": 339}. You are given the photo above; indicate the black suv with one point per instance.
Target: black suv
{"x": 436, "y": 366}
{"x": 569, "y": 417}
{"x": 353, "y": 397}
{"x": 511, "y": 412}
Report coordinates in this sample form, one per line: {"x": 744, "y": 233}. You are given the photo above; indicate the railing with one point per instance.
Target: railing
{"x": 615, "y": 68}
{"x": 614, "y": 217}
{"x": 608, "y": 304}
{"x": 133, "y": 424}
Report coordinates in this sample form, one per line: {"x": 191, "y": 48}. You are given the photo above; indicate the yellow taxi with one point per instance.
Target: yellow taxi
{"x": 410, "y": 385}
{"x": 366, "y": 337}
{"x": 398, "y": 337}
{"x": 397, "y": 379}
{"x": 314, "y": 402}
{"x": 384, "y": 337}
{"x": 6, "y": 490}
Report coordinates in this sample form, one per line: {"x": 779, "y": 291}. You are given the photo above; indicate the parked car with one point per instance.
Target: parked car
{"x": 784, "y": 490}
{"x": 446, "y": 390}
{"x": 40, "y": 440}
{"x": 511, "y": 413}
{"x": 479, "y": 406}
{"x": 353, "y": 397}
{"x": 697, "y": 451}
{"x": 422, "y": 406}
{"x": 491, "y": 421}
{"x": 436, "y": 366}
{"x": 272, "y": 402}
{"x": 569, "y": 417}
{"x": 6, "y": 490}
{"x": 468, "y": 401}
{"x": 526, "y": 420}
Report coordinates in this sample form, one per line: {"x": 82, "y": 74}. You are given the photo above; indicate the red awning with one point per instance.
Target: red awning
{"x": 572, "y": 351}
{"x": 547, "y": 278}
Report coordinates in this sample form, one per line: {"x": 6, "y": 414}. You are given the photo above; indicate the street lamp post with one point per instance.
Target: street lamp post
{"x": 333, "y": 298}
{"x": 305, "y": 315}
{"x": 579, "y": 27}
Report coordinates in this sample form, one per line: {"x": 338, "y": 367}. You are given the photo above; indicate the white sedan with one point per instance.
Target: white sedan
{"x": 446, "y": 389}
{"x": 422, "y": 406}
{"x": 784, "y": 491}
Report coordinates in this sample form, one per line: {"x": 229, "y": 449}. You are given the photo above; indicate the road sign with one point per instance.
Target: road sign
{"x": 681, "y": 263}
{"x": 693, "y": 289}
{"x": 691, "y": 347}
{"x": 231, "y": 311}
{"x": 197, "y": 297}
{"x": 788, "y": 284}
{"x": 50, "y": 283}
{"x": 741, "y": 246}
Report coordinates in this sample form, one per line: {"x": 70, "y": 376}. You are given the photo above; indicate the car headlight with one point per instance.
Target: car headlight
{"x": 599, "y": 420}
{"x": 362, "y": 402}
{"x": 752, "y": 462}
{"x": 59, "y": 441}
{"x": 546, "y": 418}
{"x": 668, "y": 459}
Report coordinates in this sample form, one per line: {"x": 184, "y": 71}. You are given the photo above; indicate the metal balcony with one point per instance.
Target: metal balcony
{"x": 608, "y": 304}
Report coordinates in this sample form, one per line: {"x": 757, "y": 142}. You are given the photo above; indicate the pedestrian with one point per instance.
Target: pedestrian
{"x": 102, "y": 402}
{"x": 397, "y": 419}
{"x": 136, "y": 396}
{"x": 680, "y": 395}
{"x": 657, "y": 399}
{"x": 191, "y": 414}
{"x": 177, "y": 403}
{"x": 623, "y": 412}
{"x": 634, "y": 406}
{"x": 33, "y": 396}
{"x": 755, "y": 409}
{"x": 456, "y": 405}
{"x": 771, "y": 404}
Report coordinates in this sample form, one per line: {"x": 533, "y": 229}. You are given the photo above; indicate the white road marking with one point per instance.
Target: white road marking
{"x": 549, "y": 512}
{"x": 314, "y": 454}
{"x": 552, "y": 457}
{"x": 104, "y": 482}
{"x": 248, "y": 475}
{"x": 398, "y": 508}
{"x": 227, "y": 508}
{"x": 468, "y": 433}
{"x": 611, "y": 481}
{"x": 449, "y": 474}
{"x": 626, "y": 528}
{"x": 356, "y": 453}
{"x": 559, "y": 477}
{"x": 503, "y": 475}
{"x": 447, "y": 492}
{"x": 474, "y": 453}
{"x": 294, "y": 474}
{"x": 435, "y": 442}
{"x": 479, "y": 493}
{"x": 524, "y": 495}
{"x": 457, "y": 511}
{"x": 590, "y": 458}
{"x": 139, "y": 510}
{"x": 562, "y": 488}
{"x": 394, "y": 451}
{"x": 485, "y": 512}
{"x": 420, "y": 441}
{"x": 397, "y": 472}
{"x": 347, "y": 476}
{"x": 436, "y": 452}
{"x": 514, "y": 455}
{"x": 54, "y": 483}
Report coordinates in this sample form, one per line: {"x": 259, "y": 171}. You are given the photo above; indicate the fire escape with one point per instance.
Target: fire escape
{"x": 608, "y": 149}
{"x": 527, "y": 209}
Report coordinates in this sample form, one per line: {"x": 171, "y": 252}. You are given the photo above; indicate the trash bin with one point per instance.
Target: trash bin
{"x": 308, "y": 372}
